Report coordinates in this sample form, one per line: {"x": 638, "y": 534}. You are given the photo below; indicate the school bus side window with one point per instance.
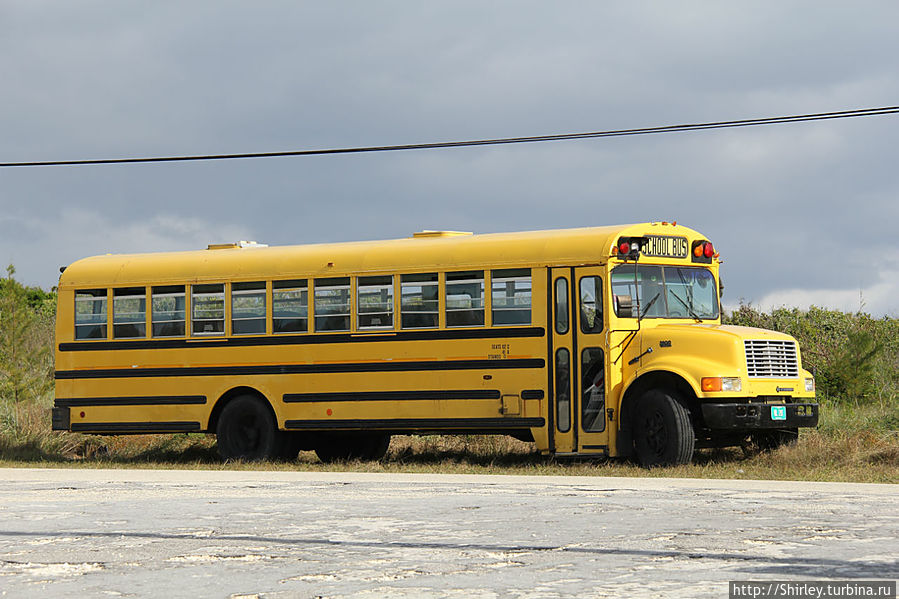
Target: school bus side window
{"x": 248, "y": 308}
{"x": 290, "y": 306}
{"x": 129, "y": 312}
{"x": 90, "y": 314}
{"x": 168, "y": 310}
{"x": 511, "y": 296}
{"x": 465, "y": 298}
{"x": 375, "y": 297}
{"x": 419, "y": 302}
{"x": 207, "y": 315}
{"x": 332, "y": 304}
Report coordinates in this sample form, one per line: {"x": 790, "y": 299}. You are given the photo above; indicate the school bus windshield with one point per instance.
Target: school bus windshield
{"x": 667, "y": 291}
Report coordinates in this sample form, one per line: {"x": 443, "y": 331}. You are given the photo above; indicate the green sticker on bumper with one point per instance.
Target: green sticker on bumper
{"x": 778, "y": 412}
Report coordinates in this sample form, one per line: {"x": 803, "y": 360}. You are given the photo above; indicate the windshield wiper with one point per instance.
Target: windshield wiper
{"x": 689, "y": 290}
{"x": 690, "y": 310}
{"x": 649, "y": 304}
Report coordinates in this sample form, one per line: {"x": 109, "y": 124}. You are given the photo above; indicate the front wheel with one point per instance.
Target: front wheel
{"x": 663, "y": 433}
{"x": 246, "y": 431}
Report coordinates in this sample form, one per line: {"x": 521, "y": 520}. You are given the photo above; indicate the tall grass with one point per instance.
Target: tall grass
{"x": 855, "y": 359}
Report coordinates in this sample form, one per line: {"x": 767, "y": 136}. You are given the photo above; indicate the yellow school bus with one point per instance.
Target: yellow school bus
{"x": 597, "y": 341}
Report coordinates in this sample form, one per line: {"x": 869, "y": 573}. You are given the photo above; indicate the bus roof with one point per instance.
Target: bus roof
{"x": 422, "y": 253}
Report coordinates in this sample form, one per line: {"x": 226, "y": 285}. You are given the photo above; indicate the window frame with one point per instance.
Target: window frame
{"x": 165, "y": 291}
{"x": 242, "y": 289}
{"x": 119, "y": 293}
{"x": 564, "y": 305}
{"x": 421, "y": 281}
{"x": 95, "y": 296}
{"x": 474, "y": 312}
{"x": 380, "y": 282}
{"x": 506, "y": 276}
{"x": 297, "y": 285}
{"x": 207, "y": 292}
{"x": 599, "y": 307}
{"x": 331, "y": 284}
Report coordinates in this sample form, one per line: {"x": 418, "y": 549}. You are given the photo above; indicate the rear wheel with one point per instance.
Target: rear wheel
{"x": 246, "y": 430}
{"x": 663, "y": 433}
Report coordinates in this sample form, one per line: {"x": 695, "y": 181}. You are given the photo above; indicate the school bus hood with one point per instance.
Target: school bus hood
{"x": 697, "y": 350}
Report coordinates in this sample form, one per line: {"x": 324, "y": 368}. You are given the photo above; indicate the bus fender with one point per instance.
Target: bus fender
{"x": 230, "y": 394}
{"x": 659, "y": 377}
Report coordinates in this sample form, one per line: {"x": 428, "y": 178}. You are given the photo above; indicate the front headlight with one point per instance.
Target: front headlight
{"x": 810, "y": 384}
{"x": 722, "y": 383}
{"x": 731, "y": 383}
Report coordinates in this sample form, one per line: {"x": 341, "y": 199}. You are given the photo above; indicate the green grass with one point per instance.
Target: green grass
{"x": 851, "y": 444}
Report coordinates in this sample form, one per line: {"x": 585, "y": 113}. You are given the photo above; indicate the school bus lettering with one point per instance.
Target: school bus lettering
{"x": 663, "y": 246}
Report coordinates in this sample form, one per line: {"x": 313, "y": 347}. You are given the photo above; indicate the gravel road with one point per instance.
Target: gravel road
{"x": 150, "y": 533}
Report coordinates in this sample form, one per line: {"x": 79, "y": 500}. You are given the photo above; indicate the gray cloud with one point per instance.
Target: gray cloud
{"x": 807, "y": 206}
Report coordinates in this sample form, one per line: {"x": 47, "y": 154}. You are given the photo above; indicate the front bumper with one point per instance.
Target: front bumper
{"x": 749, "y": 416}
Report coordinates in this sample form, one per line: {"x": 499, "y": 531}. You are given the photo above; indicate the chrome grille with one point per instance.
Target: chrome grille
{"x": 771, "y": 359}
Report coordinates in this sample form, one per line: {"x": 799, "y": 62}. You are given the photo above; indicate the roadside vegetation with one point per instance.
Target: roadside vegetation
{"x": 854, "y": 357}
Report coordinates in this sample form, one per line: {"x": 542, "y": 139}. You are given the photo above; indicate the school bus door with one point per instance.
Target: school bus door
{"x": 579, "y": 362}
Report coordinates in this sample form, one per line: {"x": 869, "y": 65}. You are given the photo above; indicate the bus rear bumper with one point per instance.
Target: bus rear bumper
{"x": 61, "y": 419}
{"x": 749, "y": 416}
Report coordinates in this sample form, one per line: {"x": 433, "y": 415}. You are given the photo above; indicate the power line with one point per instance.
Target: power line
{"x": 776, "y": 120}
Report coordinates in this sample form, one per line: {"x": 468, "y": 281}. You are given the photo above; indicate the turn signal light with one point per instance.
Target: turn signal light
{"x": 721, "y": 383}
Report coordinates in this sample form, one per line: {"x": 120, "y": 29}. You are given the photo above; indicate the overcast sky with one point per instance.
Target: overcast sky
{"x": 802, "y": 214}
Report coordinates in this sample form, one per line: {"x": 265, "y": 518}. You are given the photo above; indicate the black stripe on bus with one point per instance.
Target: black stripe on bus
{"x": 373, "y": 337}
{"x": 392, "y": 395}
{"x": 416, "y": 423}
{"x": 272, "y": 369}
{"x": 155, "y": 400}
{"x": 135, "y": 427}
{"x": 532, "y": 394}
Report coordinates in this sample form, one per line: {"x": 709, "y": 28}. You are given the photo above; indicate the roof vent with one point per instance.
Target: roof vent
{"x": 427, "y": 233}
{"x": 237, "y": 244}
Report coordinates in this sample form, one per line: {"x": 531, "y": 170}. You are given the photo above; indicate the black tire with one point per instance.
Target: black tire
{"x": 663, "y": 433}
{"x": 376, "y": 447}
{"x": 246, "y": 430}
{"x": 359, "y": 446}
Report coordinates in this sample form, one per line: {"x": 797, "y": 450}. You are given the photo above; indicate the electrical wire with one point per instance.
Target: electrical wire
{"x": 777, "y": 120}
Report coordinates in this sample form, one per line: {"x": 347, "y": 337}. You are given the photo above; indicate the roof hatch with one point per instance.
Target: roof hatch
{"x": 236, "y": 244}
{"x": 428, "y": 233}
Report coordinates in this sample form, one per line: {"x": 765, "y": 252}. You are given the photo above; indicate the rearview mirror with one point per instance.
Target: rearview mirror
{"x": 624, "y": 306}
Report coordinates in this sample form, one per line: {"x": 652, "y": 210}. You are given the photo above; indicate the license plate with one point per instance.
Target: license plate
{"x": 778, "y": 412}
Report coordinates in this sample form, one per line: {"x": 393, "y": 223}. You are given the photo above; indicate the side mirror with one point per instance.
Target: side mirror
{"x": 624, "y": 306}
